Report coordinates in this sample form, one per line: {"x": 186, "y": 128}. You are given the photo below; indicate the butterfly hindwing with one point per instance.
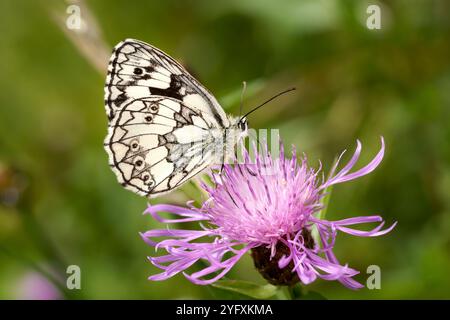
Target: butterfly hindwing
{"x": 138, "y": 70}
{"x": 155, "y": 144}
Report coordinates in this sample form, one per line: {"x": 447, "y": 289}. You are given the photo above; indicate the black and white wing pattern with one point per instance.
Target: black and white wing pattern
{"x": 162, "y": 122}
{"x": 139, "y": 70}
{"x": 155, "y": 144}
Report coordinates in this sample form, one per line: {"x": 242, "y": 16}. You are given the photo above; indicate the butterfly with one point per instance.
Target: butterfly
{"x": 164, "y": 127}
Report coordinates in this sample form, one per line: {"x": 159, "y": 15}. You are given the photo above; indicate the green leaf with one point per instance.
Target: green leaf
{"x": 322, "y": 213}
{"x": 250, "y": 289}
{"x": 325, "y": 201}
{"x": 327, "y": 191}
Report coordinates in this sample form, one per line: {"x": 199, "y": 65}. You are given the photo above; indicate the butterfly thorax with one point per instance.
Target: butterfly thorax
{"x": 226, "y": 140}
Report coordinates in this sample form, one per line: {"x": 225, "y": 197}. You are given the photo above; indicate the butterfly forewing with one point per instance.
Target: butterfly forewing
{"x": 137, "y": 70}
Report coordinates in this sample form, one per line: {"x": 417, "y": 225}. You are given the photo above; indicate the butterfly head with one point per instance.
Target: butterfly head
{"x": 239, "y": 126}
{"x": 243, "y": 124}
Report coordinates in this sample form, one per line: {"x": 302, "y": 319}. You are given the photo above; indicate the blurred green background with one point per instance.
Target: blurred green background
{"x": 60, "y": 202}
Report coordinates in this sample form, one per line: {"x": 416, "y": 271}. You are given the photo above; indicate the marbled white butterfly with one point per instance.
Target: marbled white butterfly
{"x": 164, "y": 126}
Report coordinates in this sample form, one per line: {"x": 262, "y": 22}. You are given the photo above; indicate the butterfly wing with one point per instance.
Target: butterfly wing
{"x": 139, "y": 70}
{"x": 156, "y": 144}
{"x": 163, "y": 124}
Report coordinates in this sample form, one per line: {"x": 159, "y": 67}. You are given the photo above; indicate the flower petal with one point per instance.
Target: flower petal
{"x": 342, "y": 176}
{"x": 225, "y": 266}
{"x": 187, "y": 235}
{"x": 188, "y": 214}
{"x": 371, "y": 233}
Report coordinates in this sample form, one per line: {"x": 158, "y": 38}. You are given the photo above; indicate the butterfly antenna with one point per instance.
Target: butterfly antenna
{"x": 244, "y": 88}
{"x": 267, "y": 101}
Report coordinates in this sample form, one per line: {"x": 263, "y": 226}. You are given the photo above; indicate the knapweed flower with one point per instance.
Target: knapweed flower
{"x": 269, "y": 207}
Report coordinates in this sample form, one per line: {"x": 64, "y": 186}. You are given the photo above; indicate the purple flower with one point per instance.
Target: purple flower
{"x": 274, "y": 216}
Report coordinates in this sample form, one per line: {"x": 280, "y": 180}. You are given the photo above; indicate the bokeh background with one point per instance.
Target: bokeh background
{"x": 60, "y": 203}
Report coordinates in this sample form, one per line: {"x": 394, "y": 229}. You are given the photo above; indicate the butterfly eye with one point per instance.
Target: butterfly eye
{"x": 138, "y": 71}
{"x": 139, "y": 163}
{"x": 134, "y": 145}
{"x": 149, "y": 118}
{"x": 243, "y": 124}
{"x": 154, "y": 108}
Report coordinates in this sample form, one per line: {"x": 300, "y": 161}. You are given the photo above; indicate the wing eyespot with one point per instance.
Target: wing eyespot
{"x": 148, "y": 179}
{"x": 153, "y": 108}
{"x": 139, "y": 163}
{"x": 148, "y": 118}
{"x": 134, "y": 145}
{"x": 138, "y": 71}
